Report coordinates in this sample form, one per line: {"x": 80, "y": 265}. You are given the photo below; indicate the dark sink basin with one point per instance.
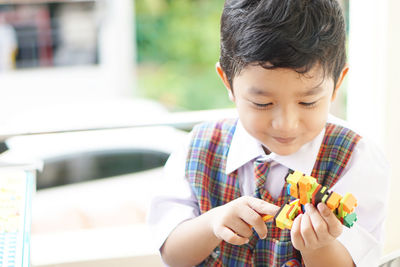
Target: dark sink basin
{"x": 74, "y": 168}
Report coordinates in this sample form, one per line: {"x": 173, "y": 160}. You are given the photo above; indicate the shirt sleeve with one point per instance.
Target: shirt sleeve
{"x": 173, "y": 201}
{"x": 367, "y": 177}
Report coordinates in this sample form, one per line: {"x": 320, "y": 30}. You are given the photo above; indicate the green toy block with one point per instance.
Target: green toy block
{"x": 349, "y": 219}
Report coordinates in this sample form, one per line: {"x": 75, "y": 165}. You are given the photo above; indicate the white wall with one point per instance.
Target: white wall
{"x": 392, "y": 112}
{"x": 373, "y": 91}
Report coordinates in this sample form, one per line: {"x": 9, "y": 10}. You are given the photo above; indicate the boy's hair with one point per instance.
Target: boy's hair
{"x": 295, "y": 34}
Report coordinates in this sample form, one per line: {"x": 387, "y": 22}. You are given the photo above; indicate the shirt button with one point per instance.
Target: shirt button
{"x": 215, "y": 254}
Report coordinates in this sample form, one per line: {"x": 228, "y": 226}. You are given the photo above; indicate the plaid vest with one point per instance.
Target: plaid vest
{"x": 205, "y": 171}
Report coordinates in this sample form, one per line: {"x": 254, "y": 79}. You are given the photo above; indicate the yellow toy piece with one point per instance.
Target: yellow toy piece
{"x": 286, "y": 215}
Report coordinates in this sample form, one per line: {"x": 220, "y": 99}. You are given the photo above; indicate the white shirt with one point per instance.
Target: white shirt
{"x": 366, "y": 176}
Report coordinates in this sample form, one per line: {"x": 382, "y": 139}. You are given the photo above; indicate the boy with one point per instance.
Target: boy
{"x": 282, "y": 62}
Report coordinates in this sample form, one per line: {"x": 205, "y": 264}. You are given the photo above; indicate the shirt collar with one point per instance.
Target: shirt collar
{"x": 245, "y": 148}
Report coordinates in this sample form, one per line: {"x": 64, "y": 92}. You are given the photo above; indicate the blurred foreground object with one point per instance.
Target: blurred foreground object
{"x": 17, "y": 184}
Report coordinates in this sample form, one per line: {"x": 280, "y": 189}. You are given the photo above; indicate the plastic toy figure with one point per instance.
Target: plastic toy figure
{"x": 306, "y": 190}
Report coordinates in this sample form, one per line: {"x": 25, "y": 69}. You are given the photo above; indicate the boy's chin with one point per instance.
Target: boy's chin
{"x": 283, "y": 151}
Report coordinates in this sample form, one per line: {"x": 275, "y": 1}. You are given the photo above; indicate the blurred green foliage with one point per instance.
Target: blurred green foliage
{"x": 178, "y": 46}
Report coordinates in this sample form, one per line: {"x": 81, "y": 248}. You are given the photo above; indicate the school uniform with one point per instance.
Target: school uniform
{"x": 216, "y": 165}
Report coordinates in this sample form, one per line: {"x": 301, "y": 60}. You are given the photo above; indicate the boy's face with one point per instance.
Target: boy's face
{"x": 282, "y": 108}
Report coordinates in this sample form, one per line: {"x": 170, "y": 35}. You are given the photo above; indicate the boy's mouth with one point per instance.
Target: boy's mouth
{"x": 286, "y": 140}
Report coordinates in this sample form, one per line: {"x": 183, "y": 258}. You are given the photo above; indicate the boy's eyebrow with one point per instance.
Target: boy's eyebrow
{"x": 313, "y": 91}
{"x": 258, "y": 91}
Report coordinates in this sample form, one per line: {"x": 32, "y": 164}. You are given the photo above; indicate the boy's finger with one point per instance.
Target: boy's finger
{"x": 297, "y": 239}
{"x": 231, "y": 237}
{"x": 253, "y": 219}
{"x": 307, "y": 231}
{"x": 335, "y": 228}
{"x": 261, "y": 206}
{"x": 240, "y": 227}
{"x": 318, "y": 223}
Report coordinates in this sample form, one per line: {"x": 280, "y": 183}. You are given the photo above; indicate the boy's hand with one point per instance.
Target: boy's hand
{"x": 316, "y": 228}
{"x": 233, "y": 221}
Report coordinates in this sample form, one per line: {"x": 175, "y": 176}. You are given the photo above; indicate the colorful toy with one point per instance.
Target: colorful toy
{"x": 306, "y": 190}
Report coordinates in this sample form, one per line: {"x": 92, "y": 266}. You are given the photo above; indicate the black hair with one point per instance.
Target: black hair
{"x": 295, "y": 34}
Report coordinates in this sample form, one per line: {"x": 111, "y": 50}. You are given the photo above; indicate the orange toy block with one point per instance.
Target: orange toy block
{"x": 266, "y": 218}
{"x": 349, "y": 203}
{"x": 294, "y": 192}
{"x": 333, "y": 201}
{"x": 304, "y": 187}
{"x": 304, "y": 183}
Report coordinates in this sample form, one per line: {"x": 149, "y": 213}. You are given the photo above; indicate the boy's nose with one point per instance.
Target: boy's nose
{"x": 285, "y": 121}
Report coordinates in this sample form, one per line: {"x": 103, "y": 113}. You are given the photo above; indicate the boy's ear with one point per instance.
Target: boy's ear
{"x": 340, "y": 80}
{"x": 224, "y": 79}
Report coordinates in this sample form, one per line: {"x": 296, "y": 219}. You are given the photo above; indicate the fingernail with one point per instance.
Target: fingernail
{"x": 308, "y": 207}
{"x": 320, "y": 207}
{"x": 325, "y": 211}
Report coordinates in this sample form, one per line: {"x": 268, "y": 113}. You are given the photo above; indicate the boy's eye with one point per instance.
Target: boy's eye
{"x": 262, "y": 105}
{"x": 308, "y": 104}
